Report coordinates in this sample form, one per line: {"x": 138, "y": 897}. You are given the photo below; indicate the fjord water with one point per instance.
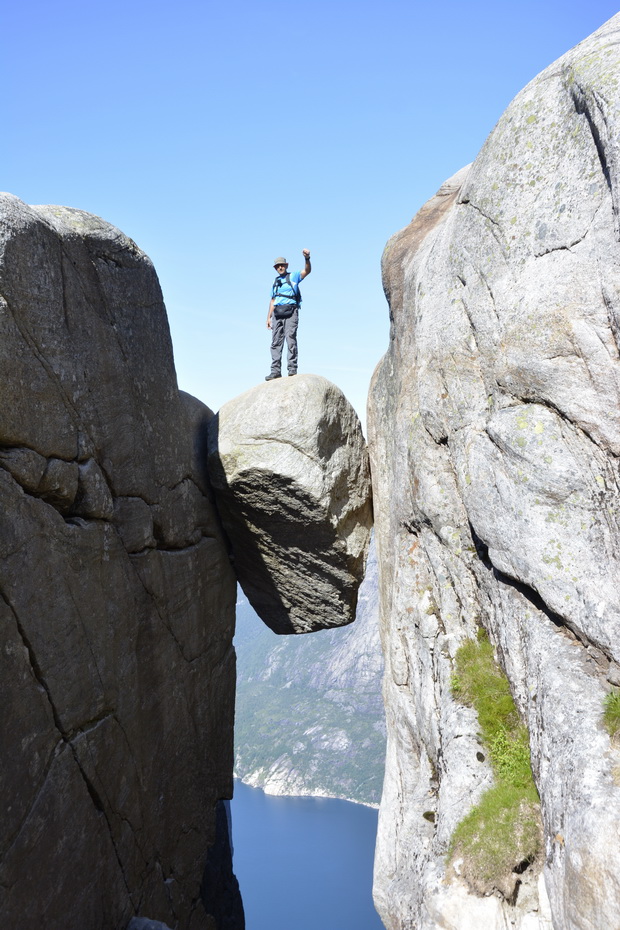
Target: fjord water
{"x": 303, "y": 863}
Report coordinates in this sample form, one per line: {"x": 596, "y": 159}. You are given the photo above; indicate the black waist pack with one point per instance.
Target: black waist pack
{"x": 284, "y": 311}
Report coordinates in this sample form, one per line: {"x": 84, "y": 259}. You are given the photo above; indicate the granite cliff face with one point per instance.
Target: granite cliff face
{"x": 494, "y": 436}
{"x": 116, "y": 596}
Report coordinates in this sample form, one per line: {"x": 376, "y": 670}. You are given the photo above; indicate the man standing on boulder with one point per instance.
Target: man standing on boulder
{"x": 283, "y": 315}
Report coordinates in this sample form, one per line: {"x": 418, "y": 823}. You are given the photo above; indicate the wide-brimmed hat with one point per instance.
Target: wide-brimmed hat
{"x": 280, "y": 261}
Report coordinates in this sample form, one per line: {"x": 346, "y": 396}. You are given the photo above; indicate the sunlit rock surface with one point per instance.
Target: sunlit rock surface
{"x": 289, "y": 466}
{"x": 116, "y": 593}
{"x": 494, "y": 435}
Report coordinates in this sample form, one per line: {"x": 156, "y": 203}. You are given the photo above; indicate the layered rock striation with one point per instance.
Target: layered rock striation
{"x": 289, "y": 466}
{"x": 494, "y": 428}
{"x": 116, "y": 595}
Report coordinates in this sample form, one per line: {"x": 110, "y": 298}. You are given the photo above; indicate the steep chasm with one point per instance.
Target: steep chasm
{"x": 494, "y": 434}
{"x": 309, "y": 715}
{"x": 117, "y": 597}
{"x": 289, "y": 467}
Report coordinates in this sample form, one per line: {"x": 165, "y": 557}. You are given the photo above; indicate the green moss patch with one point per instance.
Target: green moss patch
{"x": 502, "y": 834}
{"x": 498, "y": 839}
{"x": 611, "y": 713}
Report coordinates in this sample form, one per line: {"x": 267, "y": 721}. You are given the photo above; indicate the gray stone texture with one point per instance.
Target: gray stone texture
{"x": 494, "y": 437}
{"x": 143, "y": 923}
{"x": 289, "y": 466}
{"x": 116, "y": 593}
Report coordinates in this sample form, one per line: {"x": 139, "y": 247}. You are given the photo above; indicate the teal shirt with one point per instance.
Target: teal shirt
{"x": 284, "y": 295}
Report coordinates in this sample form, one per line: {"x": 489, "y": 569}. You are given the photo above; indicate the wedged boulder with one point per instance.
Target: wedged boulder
{"x": 494, "y": 429}
{"x": 116, "y": 593}
{"x": 289, "y": 466}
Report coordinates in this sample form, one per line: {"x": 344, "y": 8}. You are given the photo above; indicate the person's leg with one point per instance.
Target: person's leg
{"x": 277, "y": 344}
{"x": 291, "y": 342}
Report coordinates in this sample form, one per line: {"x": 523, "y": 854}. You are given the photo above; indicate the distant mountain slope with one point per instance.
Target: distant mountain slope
{"x": 309, "y": 716}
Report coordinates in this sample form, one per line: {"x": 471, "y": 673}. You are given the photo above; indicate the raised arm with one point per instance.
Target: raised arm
{"x": 308, "y": 268}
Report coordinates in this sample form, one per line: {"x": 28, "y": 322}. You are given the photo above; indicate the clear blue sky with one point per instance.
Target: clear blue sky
{"x": 219, "y": 135}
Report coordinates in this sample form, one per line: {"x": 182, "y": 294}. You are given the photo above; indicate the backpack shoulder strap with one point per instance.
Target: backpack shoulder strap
{"x": 294, "y": 286}
{"x": 275, "y": 290}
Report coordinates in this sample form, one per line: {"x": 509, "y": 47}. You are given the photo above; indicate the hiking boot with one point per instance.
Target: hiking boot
{"x": 291, "y": 373}
{"x": 272, "y": 377}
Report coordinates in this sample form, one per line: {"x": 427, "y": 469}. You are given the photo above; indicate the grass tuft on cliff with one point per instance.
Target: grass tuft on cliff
{"x": 502, "y": 834}
{"x": 611, "y": 712}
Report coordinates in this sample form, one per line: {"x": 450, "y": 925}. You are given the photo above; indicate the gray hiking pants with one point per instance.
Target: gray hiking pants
{"x": 282, "y": 329}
